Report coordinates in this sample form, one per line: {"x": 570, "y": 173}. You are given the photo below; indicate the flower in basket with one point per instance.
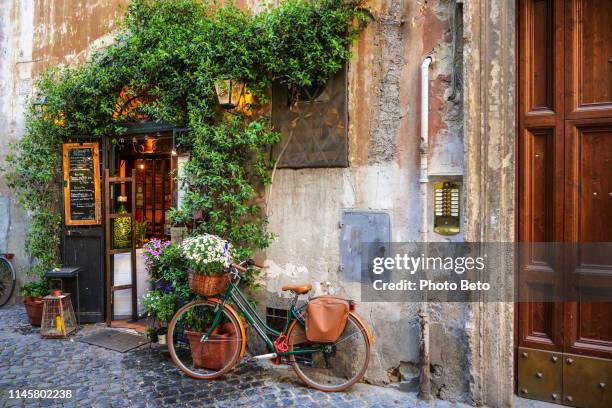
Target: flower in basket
{"x": 207, "y": 254}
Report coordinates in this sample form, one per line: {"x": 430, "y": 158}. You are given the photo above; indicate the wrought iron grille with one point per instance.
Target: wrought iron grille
{"x": 313, "y": 124}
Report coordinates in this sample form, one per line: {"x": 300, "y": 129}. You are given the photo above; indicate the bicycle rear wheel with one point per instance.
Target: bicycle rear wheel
{"x": 7, "y": 281}
{"x": 338, "y": 365}
{"x": 212, "y": 357}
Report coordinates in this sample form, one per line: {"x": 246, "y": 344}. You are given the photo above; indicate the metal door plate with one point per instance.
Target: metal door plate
{"x": 540, "y": 375}
{"x": 587, "y": 381}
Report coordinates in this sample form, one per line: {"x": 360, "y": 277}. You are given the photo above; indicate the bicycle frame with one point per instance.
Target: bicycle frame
{"x": 234, "y": 294}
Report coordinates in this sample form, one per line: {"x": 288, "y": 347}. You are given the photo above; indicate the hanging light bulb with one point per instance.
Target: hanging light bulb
{"x": 173, "y": 152}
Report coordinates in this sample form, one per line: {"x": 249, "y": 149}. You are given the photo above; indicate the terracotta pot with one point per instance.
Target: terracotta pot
{"x": 215, "y": 353}
{"x": 56, "y": 293}
{"x": 34, "y": 307}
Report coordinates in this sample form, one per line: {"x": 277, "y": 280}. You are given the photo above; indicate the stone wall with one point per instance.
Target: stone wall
{"x": 304, "y": 206}
{"x": 38, "y": 35}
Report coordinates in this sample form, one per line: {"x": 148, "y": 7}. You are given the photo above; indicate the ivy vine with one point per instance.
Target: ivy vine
{"x": 168, "y": 54}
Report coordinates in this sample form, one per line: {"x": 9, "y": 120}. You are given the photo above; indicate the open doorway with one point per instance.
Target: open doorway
{"x": 148, "y": 160}
{"x": 150, "y": 154}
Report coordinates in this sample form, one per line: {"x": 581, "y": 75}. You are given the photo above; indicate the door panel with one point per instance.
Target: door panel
{"x": 565, "y": 195}
{"x": 541, "y": 116}
{"x": 589, "y": 58}
{"x": 83, "y": 247}
{"x": 589, "y": 219}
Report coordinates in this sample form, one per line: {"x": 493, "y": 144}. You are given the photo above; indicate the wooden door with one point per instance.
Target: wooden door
{"x": 82, "y": 246}
{"x": 565, "y": 195}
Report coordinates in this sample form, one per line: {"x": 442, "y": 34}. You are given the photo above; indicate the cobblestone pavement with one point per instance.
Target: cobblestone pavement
{"x": 146, "y": 377}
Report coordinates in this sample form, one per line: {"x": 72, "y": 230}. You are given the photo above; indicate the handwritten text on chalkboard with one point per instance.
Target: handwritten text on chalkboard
{"x": 82, "y": 179}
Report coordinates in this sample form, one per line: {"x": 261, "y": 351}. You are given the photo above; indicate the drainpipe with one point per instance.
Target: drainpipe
{"x": 425, "y": 387}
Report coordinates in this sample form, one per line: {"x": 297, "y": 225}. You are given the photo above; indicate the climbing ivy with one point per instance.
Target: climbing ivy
{"x": 167, "y": 54}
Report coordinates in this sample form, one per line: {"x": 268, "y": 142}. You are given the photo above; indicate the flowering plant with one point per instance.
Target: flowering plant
{"x": 161, "y": 305}
{"x": 152, "y": 252}
{"x": 207, "y": 254}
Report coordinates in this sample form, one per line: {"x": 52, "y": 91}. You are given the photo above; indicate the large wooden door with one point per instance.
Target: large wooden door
{"x": 565, "y": 195}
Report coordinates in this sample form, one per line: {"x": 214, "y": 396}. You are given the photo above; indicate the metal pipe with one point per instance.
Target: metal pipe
{"x": 424, "y": 178}
{"x": 425, "y": 387}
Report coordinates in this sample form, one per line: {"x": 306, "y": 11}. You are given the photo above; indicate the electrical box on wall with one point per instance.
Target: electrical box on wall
{"x": 447, "y": 214}
{"x": 362, "y": 227}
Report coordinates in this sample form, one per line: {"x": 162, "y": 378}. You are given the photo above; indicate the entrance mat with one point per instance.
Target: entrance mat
{"x": 114, "y": 340}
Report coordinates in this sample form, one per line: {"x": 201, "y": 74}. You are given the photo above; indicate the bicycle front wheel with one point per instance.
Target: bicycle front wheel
{"x": 7, "y": 281}
{"x": 200, "y": 357}
{"x": 336, "y": 366}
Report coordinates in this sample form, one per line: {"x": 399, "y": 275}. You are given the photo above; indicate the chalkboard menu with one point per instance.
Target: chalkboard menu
{"x": 82, "y": 183}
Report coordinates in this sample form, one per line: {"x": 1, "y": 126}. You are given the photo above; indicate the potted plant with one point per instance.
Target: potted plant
{"x": 208, "y": 258}
{"x": 214, "y": 353}
{"x": 151, "y": 333}
{"x": 161, "y": 335}
{"x": 33, "y": 294}
{"x": 162, "y": 306}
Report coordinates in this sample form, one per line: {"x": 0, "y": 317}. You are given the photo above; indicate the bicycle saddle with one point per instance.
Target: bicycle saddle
{"x": 299, "y": 289}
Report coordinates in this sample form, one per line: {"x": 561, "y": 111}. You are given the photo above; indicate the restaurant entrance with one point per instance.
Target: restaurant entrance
{"x": 147, "y": 149}
{"x": 150, "y": 155}
{"x": 144, "y": 159}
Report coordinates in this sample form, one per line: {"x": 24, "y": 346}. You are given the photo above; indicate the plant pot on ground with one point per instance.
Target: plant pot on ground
{"x": 33, "y": 294}
{"x": 34, "y": 308}
{"x": 161, "y": 335}
{"x": 216, "y": 352}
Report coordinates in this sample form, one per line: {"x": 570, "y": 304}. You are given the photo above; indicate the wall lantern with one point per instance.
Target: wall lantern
{"x": 229, "y": 92}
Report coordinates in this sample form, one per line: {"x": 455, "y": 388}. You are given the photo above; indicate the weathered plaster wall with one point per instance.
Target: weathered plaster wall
{"x": 16, "y": 34}
{"x": 490, "y": 131}
{"x": 35, "y": 35}
{"x": 305, "y": 205}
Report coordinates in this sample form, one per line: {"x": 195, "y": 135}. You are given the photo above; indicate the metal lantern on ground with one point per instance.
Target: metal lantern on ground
{"x": 58, "y": 320}
{"x": 229, "y": 92}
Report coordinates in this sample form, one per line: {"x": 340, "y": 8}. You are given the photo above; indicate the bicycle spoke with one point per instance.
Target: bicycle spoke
{"x": 336, "y": 365}
{"x": 212, "y": 356}
{"x": 7, "y": 281}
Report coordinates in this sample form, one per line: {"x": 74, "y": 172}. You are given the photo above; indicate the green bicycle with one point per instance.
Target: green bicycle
{"x": 207, "y": 338}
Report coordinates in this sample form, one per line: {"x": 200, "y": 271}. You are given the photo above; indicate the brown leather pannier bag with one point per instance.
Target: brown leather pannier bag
{"x": 326, "y": 318}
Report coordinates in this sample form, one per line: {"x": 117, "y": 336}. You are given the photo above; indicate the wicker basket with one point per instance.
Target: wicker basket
{"x": 206, "y": 285}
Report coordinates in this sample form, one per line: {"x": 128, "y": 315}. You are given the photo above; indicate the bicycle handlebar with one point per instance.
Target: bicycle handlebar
{"x": 238, "y": 267}
{"x": 248, "y": 262}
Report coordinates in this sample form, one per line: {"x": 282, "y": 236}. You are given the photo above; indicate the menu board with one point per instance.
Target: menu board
{"x": 82, "y": 183}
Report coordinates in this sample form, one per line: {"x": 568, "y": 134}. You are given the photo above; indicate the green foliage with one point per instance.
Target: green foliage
{"x": 170, "y": 52}
{"x": 161, "y": 305}
{"x": 35, "y": 289}
{"x": 172, "y": 269}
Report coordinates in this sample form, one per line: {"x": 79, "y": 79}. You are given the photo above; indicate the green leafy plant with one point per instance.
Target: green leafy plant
{"x": 35, "y": 289}
{"x": 141, "y": 232}
{"x": 151, "y": 332}
{"x": 160, "y": 305}
{"x": 164, "y": 60}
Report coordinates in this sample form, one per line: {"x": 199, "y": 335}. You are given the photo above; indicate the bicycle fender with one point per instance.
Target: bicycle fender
{"x": 365, "y": 326}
